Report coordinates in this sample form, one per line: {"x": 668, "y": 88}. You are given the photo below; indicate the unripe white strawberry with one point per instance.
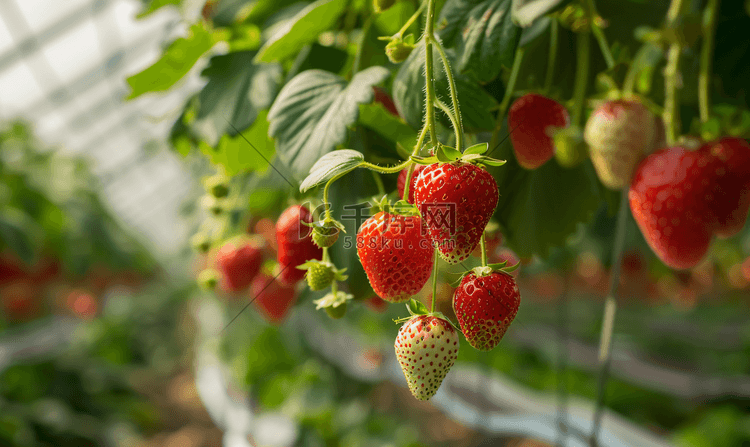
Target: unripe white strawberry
{"x": 426, "y": 348}
{"x": 619, "y": 133}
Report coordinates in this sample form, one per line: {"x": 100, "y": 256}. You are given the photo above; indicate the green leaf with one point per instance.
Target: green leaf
{"x": 480, "y": 148}
{"x": 178, "y": 59}
{"x": 447, "y": 154}
{"x": 408, "y": 93}
{"x": 155, "y": 5}
{"x": 301, "y": 30}
{"x": 483, "y": 34}
{"x": 376, "y": 117}
{"x": 236, "y": 91}
{"x": 313, "y": 112}
{"x": 14, "y": 233}
{"x": 525, "y": 12}
{"x": 570, "y": 196}
{"x": 237, "y": 155}
{"x": 331, "y": 165}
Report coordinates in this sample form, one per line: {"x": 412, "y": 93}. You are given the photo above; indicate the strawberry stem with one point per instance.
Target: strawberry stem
{"x": 458, "y": 126}
{"x": 552, "y": 55}
{"x": 429, "y": 37}
{"x": 507, "y": 96}
{"x": 379, "y": 183}
{"x": 411, "y": 20}
{"x": 384, "y": 170}
{"x": 582, "y": 75}
{"x": 610, "y": 309}
{"x": 672, "y": 77}
{"x": 434, "y": 281}
{"x": 410, "y": 172}
{"x": 704, "y": 76}
{"x": 598, "y": 32}
{"x": 484, "y": 250}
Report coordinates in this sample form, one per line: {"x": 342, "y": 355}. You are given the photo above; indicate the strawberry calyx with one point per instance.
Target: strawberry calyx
{"x": 487, "y": 270}
{"x": 334, "y": 303}
{"x": 400, "y": 208}
{"x": 447, "y": 154}
{"x": 416, "y": 309}
{"x": 325, "y": 232}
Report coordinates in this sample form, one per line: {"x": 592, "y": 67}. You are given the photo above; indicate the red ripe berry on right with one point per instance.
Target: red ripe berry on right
{"x": 238, "y": 262}
{"x": 485, "y": 306}
{"x": 295, "y": 244}
{"x": 681, "y": 198}
{"x": 273, "y": 299}
{"x": 532, "y": 119}
{"x": 396, "y": 255}
{"x": 401, "y": 182}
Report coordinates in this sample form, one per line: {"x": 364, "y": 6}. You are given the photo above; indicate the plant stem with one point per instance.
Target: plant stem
{"x": 704, "y": 76}
{"x": 610, "y": 308}
{"x": 552, "y": 56}
{"x": 434, "y": 280}
{"x": 444, "y": 107}
{"x": 599, "y": 34}
{"x": 507, "y": 96}
{"x": 429, "y": 74}
{"x": 483, "y": 244}
{"x": 582, "y": 76}
{"x": 383, "y": 170}
{"x": 457, "y": 121}
{"x": 325, "y": 255}
{"x": 672, "y": 78}
{"x": 411, "y": 20}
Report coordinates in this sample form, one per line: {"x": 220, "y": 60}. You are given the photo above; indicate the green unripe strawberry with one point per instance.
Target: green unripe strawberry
{"x": 200, "y": 242}
{"x": 319, "y": 275}
{"x": 398, "y": 50}
{"x": 326, "y": 233}
{"x": 208, "y": 279}
{"x": 336, "y": 312}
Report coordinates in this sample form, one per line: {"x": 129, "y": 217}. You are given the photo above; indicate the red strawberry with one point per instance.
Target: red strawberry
{"x": 382, "y": 97}
{"x": 619, "y": 133}
{"x": 456, "y": 201}
{"x": 680, "y": 198}
{"x": 239, "y": 261}
{"x": 21, "y": 301}
{"x": 426, "y": 348}
{"x": 295, "y": 244}
{"x": 731, "y": 198}
{"x": 532, "y": 120}
{"x": 485, "y": 306}
{"x": 272, "y": 298}
{"x": 395, "y": 254}
{"x": 401, "y": 182}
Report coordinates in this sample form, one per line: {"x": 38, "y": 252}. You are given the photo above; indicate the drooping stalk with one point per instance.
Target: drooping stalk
{"x": 429, "y": 74}
{"x": 456, "y": 119}
{"x": 552, "y": 56}
{"x": 582, "y": 76}
{"x": 671, "y": 115}
{"x": 704, "y": 76}
{"x": 598, "y": 32}
{"x": 483, "y": 244}
{"x": 610, "y": 309}
{"x": 434, "y": 280}
{"x": 508, "y": 95}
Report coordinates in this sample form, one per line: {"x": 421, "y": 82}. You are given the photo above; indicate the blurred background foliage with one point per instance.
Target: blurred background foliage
{"x": 100, "y": 344}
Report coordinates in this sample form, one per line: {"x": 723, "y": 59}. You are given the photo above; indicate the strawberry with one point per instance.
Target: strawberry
{"x": 396, "y": 255}
{"x": 272, "y": 298}
{"x": 320, "y": 274}
{"x": 426, "y": 348}
{"x": 619, "y": 133}
{"x": 401, "y": 182}
{"x": 485, "y": 306}
{"x": 532, "y": 121}
{"x": 295, "y": 244}
{"x": 681, "y": 198}
{"x": 456, "y": 201}
{"x": 239, "y": 261}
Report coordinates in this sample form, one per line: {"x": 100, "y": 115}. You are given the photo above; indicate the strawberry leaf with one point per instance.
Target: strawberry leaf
{"x": 483, "y": 34}
{"x": 526, "y": 12}
{"x": 301, "y": 30}
{"x": 424, "y": 160}
{"x": 314, "y": 111}
{"x": 331, "y": 165}
{"x": 447, "y": 154}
